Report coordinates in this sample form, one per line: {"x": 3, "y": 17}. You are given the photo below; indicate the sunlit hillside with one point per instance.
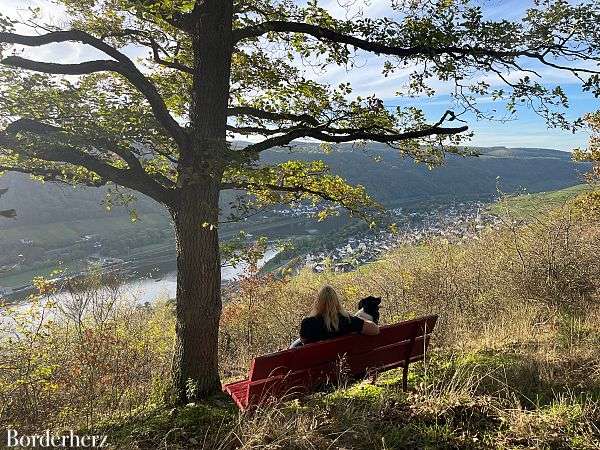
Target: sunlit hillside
{"x": 514, "y": 363}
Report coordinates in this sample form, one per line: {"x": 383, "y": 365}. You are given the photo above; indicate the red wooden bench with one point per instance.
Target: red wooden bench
{"x": 298, "y": 370}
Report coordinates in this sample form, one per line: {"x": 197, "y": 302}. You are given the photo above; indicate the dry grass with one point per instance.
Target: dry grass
{"x": 90, "y": 357}
{"x": 515, "y": 361}
{"x": 511, "y": 285}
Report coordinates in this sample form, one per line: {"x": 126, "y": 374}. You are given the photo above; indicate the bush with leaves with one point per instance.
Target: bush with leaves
{"x": 589, "y": 202}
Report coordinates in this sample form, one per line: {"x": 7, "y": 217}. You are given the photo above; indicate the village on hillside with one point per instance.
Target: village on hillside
{"x": 456, "y": 222}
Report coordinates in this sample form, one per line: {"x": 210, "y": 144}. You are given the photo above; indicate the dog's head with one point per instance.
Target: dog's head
{"x": 370, "y": 305}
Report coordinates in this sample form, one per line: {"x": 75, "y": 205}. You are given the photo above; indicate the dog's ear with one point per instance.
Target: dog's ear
{"x": 361, "y": 303}
{"x": 377, "y": 300}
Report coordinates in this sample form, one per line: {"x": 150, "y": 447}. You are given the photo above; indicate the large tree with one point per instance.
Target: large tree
{"x": 164, "y": 123}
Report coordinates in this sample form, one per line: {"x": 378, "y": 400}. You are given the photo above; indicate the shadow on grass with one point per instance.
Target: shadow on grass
{"x": 196, "y": 425}
{"x": 486, "y": 399}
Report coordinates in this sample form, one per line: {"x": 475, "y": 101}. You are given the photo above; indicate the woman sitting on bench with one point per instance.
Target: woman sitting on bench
{"x": 328, "y": 319}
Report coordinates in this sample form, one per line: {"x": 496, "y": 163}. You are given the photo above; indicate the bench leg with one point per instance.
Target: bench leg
{"x": 374, "y": 375}
{"x": 406, "y": 364}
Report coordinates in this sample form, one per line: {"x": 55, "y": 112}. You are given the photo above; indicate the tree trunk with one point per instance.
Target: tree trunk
{"x": 196, "y": 211}
{"x": 195, "y": 363}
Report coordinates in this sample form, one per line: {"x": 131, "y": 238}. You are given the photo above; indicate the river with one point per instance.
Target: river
{"x": 163, "y": 282}
{"x": 148, "y": 289}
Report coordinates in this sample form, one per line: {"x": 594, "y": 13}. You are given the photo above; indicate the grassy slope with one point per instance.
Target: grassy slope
{"x": 530, "y": 379}
{"x": 527, "y": 205}
{"x": 491, "y": 398}
{"x": 534, "y": 389}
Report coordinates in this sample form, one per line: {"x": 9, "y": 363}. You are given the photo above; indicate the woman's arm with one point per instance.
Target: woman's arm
{"x": 370, "y": 328}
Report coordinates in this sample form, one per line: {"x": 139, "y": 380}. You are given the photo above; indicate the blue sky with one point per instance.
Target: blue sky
{"x": 526, "y": 130}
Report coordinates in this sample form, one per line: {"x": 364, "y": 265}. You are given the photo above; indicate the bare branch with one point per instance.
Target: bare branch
{"x": 146, "y": 39}
{"x": 257, "y": 130}
{"x": 272, "y": 116}
{"x": 293, "y": 189}
{"x": 48, "y": 174}
{"x": 134, "y": 177}
{"x": 326, "y": 34}
{"x": 327, "y": 135}
{"x": 106, "y": 144}
{"x": 163, "y": 62}
{"x": 64, "y": 69}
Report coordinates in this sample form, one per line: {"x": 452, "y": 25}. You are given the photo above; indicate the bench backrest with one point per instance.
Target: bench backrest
{"x": 302, "y": 367}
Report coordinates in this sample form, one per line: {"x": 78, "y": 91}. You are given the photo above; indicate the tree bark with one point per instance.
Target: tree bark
{"x": 196, "y": 210}
{"x": 195, "y": 362}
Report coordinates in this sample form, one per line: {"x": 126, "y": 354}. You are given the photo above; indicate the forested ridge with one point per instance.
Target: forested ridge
{"x": 389, "y": 178}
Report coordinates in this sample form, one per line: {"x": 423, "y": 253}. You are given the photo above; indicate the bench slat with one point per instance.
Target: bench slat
{"x": 297, "y": 382}
{"x": 239, "y": 392}
{"x": 388, "y": 355}
{"x": 326, "y": 351}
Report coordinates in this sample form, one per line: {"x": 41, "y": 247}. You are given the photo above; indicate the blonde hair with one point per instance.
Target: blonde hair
{"x": 327, "y": 305}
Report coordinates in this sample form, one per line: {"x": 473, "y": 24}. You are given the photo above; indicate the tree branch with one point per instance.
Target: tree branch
{"x": 292, "y": 189}
{"x": 83, "y": 68}
{"x": 42, "y": 129}
{"x": 163, "y": 62}
{"x": 147, "y": 40}
{"x": 134, "y": 177}
{"x": 108, "y": 145}
{"x": 272, "y": 116}
{"x": 257, "y": 130}
{"x": 276, "y": 187}
{"x": 48, "y": 174}
{"x": 280, "y": 26}
{"x": 326, "y": 34}
{"x": 123, "y": 66}
{"x": 326, "y": 135}
{"x": 156, "y": 49}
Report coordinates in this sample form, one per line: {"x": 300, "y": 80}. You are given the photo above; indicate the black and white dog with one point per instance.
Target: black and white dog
{"x": 368, "y": 308}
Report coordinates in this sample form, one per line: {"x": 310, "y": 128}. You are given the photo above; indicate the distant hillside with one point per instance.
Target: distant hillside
{"x": 39, "y": 204}
{"x": 62, "y": 225}
{"x": 527, "y": 206}
{"x": 393, "y": 180}
{"x": 397, "y": 181}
